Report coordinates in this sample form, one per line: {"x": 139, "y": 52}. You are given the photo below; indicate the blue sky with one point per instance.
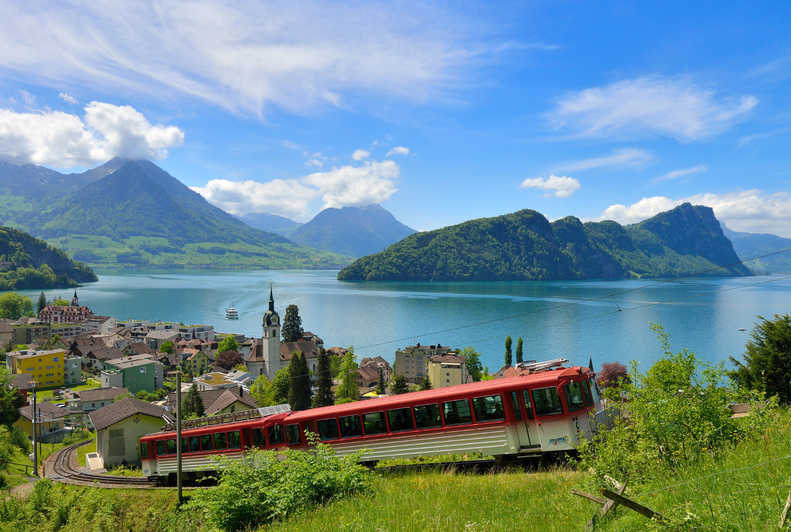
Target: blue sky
{"x": 440, "y": 111}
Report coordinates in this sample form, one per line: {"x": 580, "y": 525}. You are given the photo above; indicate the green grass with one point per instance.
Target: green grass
{"x": 17, "y": 473}
{"x": 48, "y": 395}
{"x": 125, "y": 471}
{"x": 85, "y": 449}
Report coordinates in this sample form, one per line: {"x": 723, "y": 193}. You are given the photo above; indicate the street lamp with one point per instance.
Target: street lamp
{"x": 33, "y": 419}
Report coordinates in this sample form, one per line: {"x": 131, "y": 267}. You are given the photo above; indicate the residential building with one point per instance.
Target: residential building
{"x": 136, "y": 373}
{"x": 50, "y": 421}
{"x": 90, "y": 400}
{"x": 220, "y": 401}
{"x": 201, "y": 332}
{"x": 240, "y": 378}
{"x": 64, "y": 314}
{"x": 215, "y": 380}
{"x": 378, "y": 363}
{"x": 367, "y": 376}
{"x": 412, "y": 361}
{"x": 120, "y": 425}
{"x": 157, "y": 337}
{"x": 30, "y": 332}
{"x": 6, "y": 332}
{"x": 447, "y": 370}
{"x": 100, "y": 324}
{"x": 46, "y": 367}
{"x": 309, "y": 345}
{"x": 72, "y": 371}
{"x": 94, "y": 352}
{"x": 197, "y": 362}
{"x": 65, "y": 330}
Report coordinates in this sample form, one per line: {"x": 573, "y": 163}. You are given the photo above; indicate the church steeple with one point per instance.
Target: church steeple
{"x": 271, "y": 300}
{"x": 75, "y": 301}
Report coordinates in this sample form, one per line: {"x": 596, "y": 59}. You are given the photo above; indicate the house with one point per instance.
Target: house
{"x": 219, "y": 401}
{"x": 46, "y": 367}
{"x": 90, "y": 400}
{"x": 157, "y": 337}
{"x": 215, "y": 380}
{"x": 202, "y": 332}
{"x": 64, "y": 314}
{"x": 22, "y": 382}
{"x": 100, "y": 324}
{"x": 72, "y": 371}
{"x": 447, "y": 370}
{"x": 412, "y": 361}
{"x": 66, "y": 330}
{"x": 378, "y": 363}
{"x": 136, "y": 373}
{"x": 119, "y": 427}
{"x": 367, "y": 376}
{"x": 6, "y": 332}
{"x": 50, "y": 422}
{"x": 94, "y": 352}
{"x": 240, "y": 378}
{"x": 309, "y": 345}
{"x": 197, "y": 362}
{"x": 30, "y": 332}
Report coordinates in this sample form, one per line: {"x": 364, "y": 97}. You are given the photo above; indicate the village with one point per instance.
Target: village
{"x": 92, "y": 376}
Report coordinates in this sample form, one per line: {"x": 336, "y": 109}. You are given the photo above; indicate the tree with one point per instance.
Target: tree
{"x": 324, "y": 395}
{"x": 299, "y": 389}
{"x": 13, "y": 306}
{"x": 335, "y": 365}
{"x": 42, "y": 302}
{"x": 292, "y": 324}
{"x": 473, "y": 363}
{"x": 167, "y": 347}
{"x": 425, "y": 384}
{"x": 228, "y": 359}
{"x": 612, "y": 374}
{"x": 10, "y": 399}
{"x": 280, "y": 385}
{"x": 766, "y": 362}
{"x": 228, "y": 343}
{"x": 508, "y": 357}
{"x": 349, "y": 388}
{"x": 519, "y": 353}
{"x": 192, "y": 404}
{"x": 60, "y": 302}
{"x": 380, "y": 386}
{"x": 399, "y": 385}
{"x": 262, "y": 391}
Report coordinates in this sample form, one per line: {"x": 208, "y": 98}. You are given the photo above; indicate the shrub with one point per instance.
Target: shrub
{"x": 767, "y": 359}
{"x": 265, "y": 486}
{"x": 612, "y": 374}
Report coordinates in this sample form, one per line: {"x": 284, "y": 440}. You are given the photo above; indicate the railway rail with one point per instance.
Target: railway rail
{"x": 62, "y": 466}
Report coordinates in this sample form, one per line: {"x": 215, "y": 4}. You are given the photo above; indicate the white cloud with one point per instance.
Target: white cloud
{"x": 682, "y": 172}
{"x": 68, "y": 98}
{"x": 62, "y": 140}
{"x": 749, "y": 210}
{"x": 28, "y": 98}
{"x": 398, "y": 150}
{"x": 373, "y": 182}
{"x": 558, "y": 186}
{"x": 286, "y": 197}
{"x": 315, "y": 160}
{"x": 625, "y": 157}
{"x": 360, "y": 154}
{"x": 244, "y": 56}
{"x": 648, "y": 106}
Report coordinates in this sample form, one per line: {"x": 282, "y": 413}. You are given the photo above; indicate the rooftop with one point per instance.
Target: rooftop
{"x": 112, "y": 414}
{"x": 32, "y": 354}
{"x": 101, "y": 394}
{"x": 132, "y": 361}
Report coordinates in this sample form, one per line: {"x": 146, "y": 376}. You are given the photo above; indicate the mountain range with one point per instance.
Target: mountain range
{"x": 761, "y": 252}
{"x": 524, "y": 245}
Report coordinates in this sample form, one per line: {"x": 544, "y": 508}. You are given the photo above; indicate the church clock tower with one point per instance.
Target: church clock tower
{"x": 271, "y": 338}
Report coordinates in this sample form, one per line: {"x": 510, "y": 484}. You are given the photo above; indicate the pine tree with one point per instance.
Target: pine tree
{"x": 380, "y": 386}
{"x": 519, "y": 353}
{"x": 349, "y": 388}
{"x": 299, "y": 385}
{"x": 508, "y": 357}
{"x": 292, "y": 324}
{"x": 324, "y": 395}
{"x": 42, "y": 302}
{"x": 192, "y": 405}
{"x": 425, "y": 384}
{"x": 399, "y": 385}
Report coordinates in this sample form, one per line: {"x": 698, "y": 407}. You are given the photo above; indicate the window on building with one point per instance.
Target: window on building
{"x": 143, "y": 449}
{"x": 328, "y": 429}
{"x": 374, "y": 422}
{"x": 400, "y": 419}
{"x": 234, "y": 440}
{"x": 206, "y": 443}
{"x": 547, "y": 401}
{"x": 220, "y": 441}
{"x": 161, "y": 448}
{"x": 489, "y": 408}
{"x": 427, "y": 416}
{"x": 515, "y": 403}
{"x": 275, "y": 434}
{"x": 292, "y": 435}
{"x": 351, "y": 426}
{"x": 574, "y": 398}
{"x": 457, "y": 412}
{"x": 171, "y": 446}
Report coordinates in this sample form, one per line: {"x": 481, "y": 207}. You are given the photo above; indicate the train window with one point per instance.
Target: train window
{"x": 258, "y": 438}
{"x": 400, "y": 419}
{"x": 184, "y": 445}
{"x": 350, "y": 426}
{"x": 220, "y": 441}
{"x": 374, "y": 422}
{"x": 234, "y": 440}
{"x": 547, "y": 401}
{"x": 528, "y": 405}
{"x": 292, "y": 434}
{"x": 143, "y": 449}
{"x": 194, "y": 444}
{"x": 328, "y": 429}
{"x": 515, "y": 402}
{"x": 586, "y": 393}
{"x": 275, "y": 434}
{"x": 308, "y": 427}
{"x": 205, "y": 443}
{"x": 161, "y": 448}
{"x": 574, "y": 399}
{"x": 457, "y": 412}
{"x": 489, "y": 408}
{"x": 427, "y": 416}
{"x": 172, "y": 446}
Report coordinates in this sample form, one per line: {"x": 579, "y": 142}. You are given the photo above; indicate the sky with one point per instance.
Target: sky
{"x": 440, "y": 111}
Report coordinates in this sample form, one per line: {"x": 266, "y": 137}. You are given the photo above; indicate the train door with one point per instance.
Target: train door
{"x": 526, "y": 428}
{"x": 530, "y": 421}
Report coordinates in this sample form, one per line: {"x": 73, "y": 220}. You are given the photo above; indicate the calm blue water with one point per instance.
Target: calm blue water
{"x": 574, "y": 319}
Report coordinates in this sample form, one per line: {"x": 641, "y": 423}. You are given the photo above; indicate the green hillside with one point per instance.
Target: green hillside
{"x": 30, "y": 263}
{"x": 525, "y": 246}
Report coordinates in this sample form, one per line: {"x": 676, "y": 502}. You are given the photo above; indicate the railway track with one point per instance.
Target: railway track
{"x": 62, "y": 467}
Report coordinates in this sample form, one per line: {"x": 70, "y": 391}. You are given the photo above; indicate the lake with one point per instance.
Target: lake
{"x": 608, "y": 320}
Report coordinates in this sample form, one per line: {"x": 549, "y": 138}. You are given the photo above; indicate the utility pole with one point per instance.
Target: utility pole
{"x": 178, "y": 434}
{"x": 35, "y": 430}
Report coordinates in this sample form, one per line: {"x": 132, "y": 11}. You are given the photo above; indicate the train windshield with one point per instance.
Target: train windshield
{"x": 574, "y": 398}
{"x": 547, "y": 401}
{"x": 143, "y": 449}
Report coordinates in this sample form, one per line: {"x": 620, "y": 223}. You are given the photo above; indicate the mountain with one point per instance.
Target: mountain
{"x": 354, "y": 231}
{"x": 130, "y": 212}
{"x": 525, "y": 246}
{"x": 269, "y": 222}
{"x": 751, "y": 245}
{"x": 30, "y": 263}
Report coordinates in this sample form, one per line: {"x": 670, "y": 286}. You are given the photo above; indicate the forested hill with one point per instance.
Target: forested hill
{"x": 524, "y": 245}
{"x": 30, "y": 263}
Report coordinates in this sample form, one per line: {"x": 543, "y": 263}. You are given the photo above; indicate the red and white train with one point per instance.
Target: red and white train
{"x": 534, "y": 414}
